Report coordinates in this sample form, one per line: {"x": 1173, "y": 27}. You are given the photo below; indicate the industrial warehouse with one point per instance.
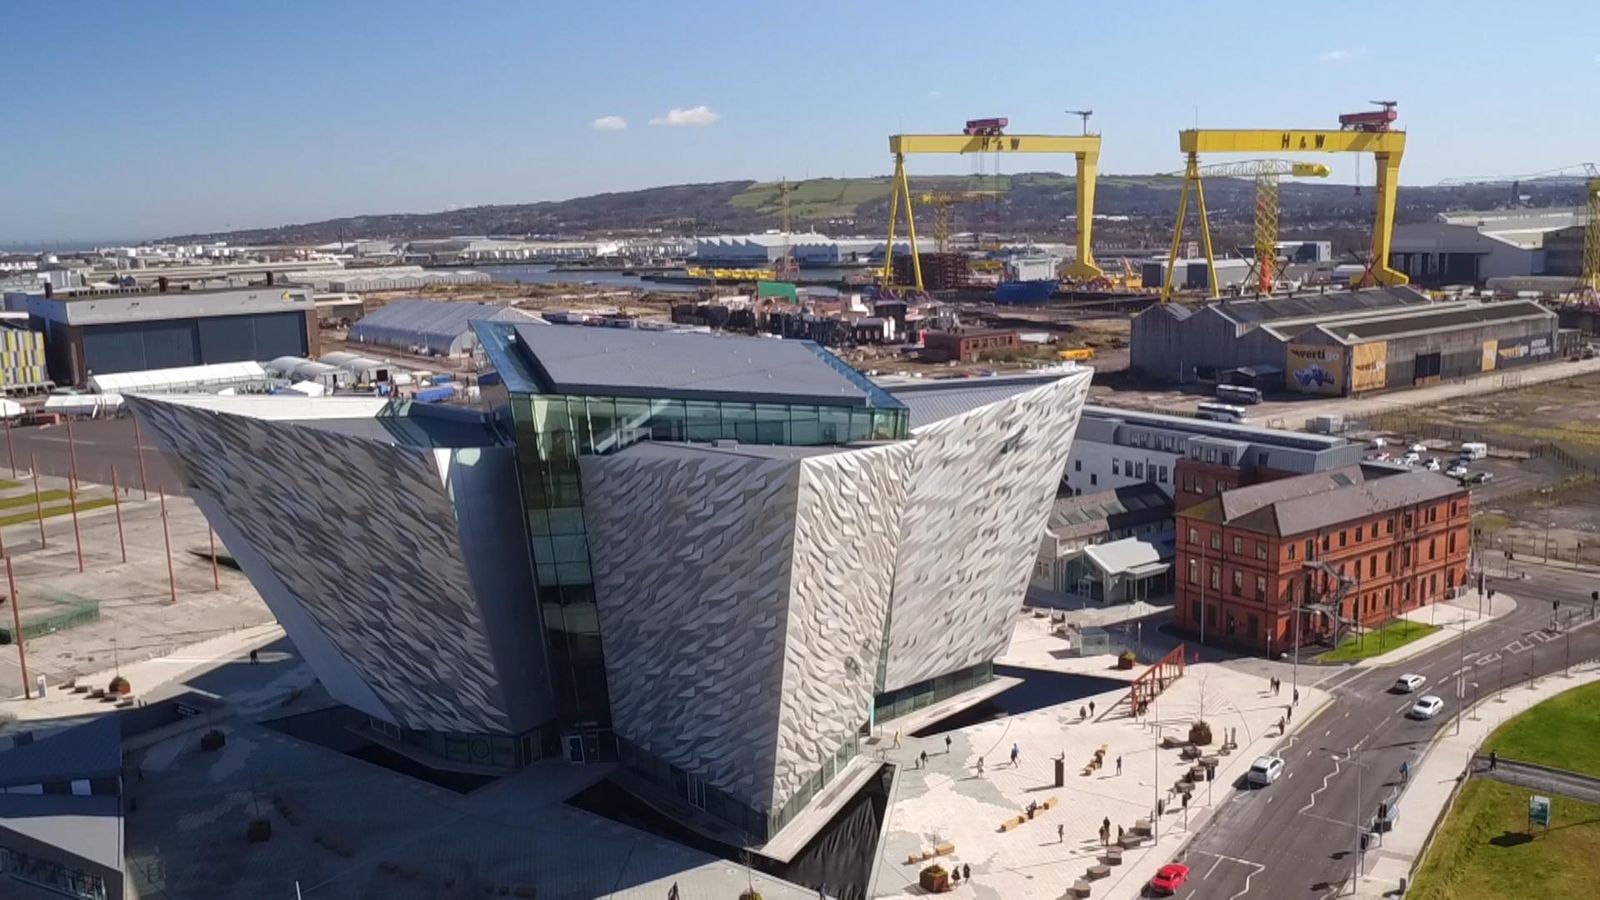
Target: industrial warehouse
{"x": 1345, "y": 343}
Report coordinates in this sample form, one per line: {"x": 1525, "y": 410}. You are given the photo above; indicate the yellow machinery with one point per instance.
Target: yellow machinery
{"x": 1386, "y": 146}
{"x": 1266, "y": 174}
{"x": 1086, "y": 150}
{"x": 1079, "y": 354}
{"x": 942, "y": 203}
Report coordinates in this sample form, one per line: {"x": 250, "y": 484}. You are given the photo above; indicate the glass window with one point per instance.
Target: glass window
{"x": 1216, "y": 540}
{"x": 704, "y": 420}
{"x": 1161, "y": 475}
{"x": 667, "y": 420}
{"x": 805, "y": 426}
{"x": 1238, "y": 582}
{"x": 1216, "y": 578}
{"x": 739, "y": 422}
{"x": 1194, "y": 535}
{"x": 1261, "y": 549}
{"x": 772, "y": 423}
{"x": 1291, "y": 549}
{"x": 1238, "y": 545}
{"x": 1077, "y": 465}
{"x": 860, "y": 424}
{"x": 835, "y": 422}
{"x": 1194, "y": 571}
{"x": 1116, "y": 467}
{"x": 1261, "y": 587}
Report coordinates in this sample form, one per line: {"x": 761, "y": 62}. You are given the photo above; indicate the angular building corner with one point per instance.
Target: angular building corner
{"x": 716, "y": 560}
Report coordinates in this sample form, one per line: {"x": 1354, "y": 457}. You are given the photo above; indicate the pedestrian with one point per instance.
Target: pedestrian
{"x": 1083, "y": 713}
{"x": 1119, "y": 834}
{"x": 255, "y": 656}
{"x": 897, "y": 739}
{"x": 924, "y": 758}
{"x": 1105, "y": 825}
{"x": 1281, "y": 726}
{"x": 1297, "y": 696}
{"x": 1015, "y": 752}
{"x": 1494, "y": 760}
{"x": 1061, "y": 833}
{"x": 1119, "y": 765}
{"x": 947, "y": 745}
{"x": 980, "y": 765}
{"x": 1091, "y": 707}
{"x": 1288, "y": 712}
{"x": 966, "y": 872}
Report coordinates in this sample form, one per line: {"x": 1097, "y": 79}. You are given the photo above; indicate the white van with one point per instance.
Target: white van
{"x": 1474, "y": 451}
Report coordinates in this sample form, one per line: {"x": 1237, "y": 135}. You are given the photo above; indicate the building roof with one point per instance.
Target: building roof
{"x": 1090, "y": 514}
{"x": 936, "y": 399}
{"x": 1321, "y": 304}
{"x": 1274, "y": 437}
{"x": 618, "y": 362}
{"x": 1419, "y": 321}
{"x": 1308, "y": 503}
{"x": 87, "y": 827}
{"x": 428, "y": 323}
{"x": 135, "y": 305}
{"x": 397, "y": 422}
{"x": 1139, "y": 557}
{"x": 180, "y": 378}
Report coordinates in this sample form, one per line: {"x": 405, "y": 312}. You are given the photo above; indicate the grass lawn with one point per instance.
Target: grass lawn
{"x": 1379, "y": 640}
{"x": 27, "y": 499}
{"x": 1559, "y": 732}
{"x": 53, "y": 511}
{"x": 1482, "y": 852}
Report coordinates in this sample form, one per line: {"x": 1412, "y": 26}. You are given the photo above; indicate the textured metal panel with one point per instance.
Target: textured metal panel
{"x": 846, "y": 533}
{"x": 691, "y": 556}
{"x": 363, "y": 536}
{"x": 980, "y": 490}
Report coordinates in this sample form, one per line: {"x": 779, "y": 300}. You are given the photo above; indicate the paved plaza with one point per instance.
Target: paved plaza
{"x": 949, "y": 800}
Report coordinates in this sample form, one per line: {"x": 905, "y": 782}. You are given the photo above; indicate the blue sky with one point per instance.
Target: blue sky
{"x": 127, "y": 120}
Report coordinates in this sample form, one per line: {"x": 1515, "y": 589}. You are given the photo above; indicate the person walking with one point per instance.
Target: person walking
{"x": 1119, "y": 765}
{"x": 947, "y": 745}
{"x": 1091, "y": 707}
{"x": 1282, "y": 727}
{"x": 1061, "y": 833}
{"x": 924, "y": 758}
{"x": 1288, "y": 713}
{"x": 1015, "y": 753}
{"x": 980, "y": 765}
{"x": 1297, "y": 696}
{"x": 1494, "y": 760}
{"x": 255, "y": 656}
{"x": 966, "y": 872}
{"x": 897, "y": 739}
{"x": 1105, "y": 827}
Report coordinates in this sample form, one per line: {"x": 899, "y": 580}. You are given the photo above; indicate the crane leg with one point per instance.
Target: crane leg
{"x": 1205, "y": 235}
{"x": 894, "y": 215}
{"x": 1388, "y": 166}
{"x": 911, "y": 226}
{"x": 1177, "y": 235}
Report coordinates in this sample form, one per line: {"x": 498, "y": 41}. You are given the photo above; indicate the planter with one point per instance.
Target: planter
{"x": 119, "y": 685}
{"x": 1126, "y": 660}
{"x": 213, "y": 741}
{"x": 259, "y": 831}
{"x": 1200, "y": 733}
{"x": 751, "y": 894}
{"x": 934, "y": 879}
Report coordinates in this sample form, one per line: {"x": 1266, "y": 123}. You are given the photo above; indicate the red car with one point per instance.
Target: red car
{"x": 1170, "y": 878}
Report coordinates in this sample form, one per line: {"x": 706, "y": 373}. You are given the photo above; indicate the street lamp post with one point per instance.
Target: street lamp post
{"x": 1461, "y": 675}
{"x": 1474, "y": 701}
{"x": 1294, "y": 678}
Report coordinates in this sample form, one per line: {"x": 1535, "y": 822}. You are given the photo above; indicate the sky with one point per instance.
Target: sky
{"x": 135, "y": 120}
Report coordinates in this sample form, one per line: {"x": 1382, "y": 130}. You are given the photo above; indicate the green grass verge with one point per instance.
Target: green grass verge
{"x": 53, "y": 511}
{"x": 27, "y": 499}
{"x": 1559, "y": 732}
{"x": 1480, "y": 852}
{"x": 1379, "y": 640}
{"x": 7, "y": 484}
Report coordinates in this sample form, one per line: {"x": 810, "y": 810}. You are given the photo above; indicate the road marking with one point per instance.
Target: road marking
{"x": 1255, "y": 867}
{"x": 1213, "y": 866}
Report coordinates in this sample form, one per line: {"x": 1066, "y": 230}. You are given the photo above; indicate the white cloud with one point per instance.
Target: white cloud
{"x": 1337, "y": 56}
{"x": 934, "y": 95}
{"x": 609, "y": 123}
{"x": 694, "y": 115}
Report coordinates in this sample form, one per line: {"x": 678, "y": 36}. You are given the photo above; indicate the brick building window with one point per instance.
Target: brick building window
{"x": 1325, "y": 543}
{"x": 1388, "y": 526}
{"x": 1216, "y": 540}
{"x": 1194, "y": 571}
{"x": 1291, "y": 551}
{"x": 1388, "y": 561}
{"x": 1451, "y": 547}
{"x": 1341, "y": 538}
{"x": 1238, "y": 546}
{"x": 1261, "y": 587}
{"x": 1311, "y": 550}
{"x": 1433, "y": 546}
{"x": 1238, "y": 583}
{"x": 1194, "y": 535}
{"x": 1216, "y": 577}
{"x": 1372, "y": 566}
{"x": 1261, "y": 549}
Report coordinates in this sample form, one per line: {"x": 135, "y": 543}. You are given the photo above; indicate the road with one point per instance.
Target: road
{"x": 101, "y": 444}
{"x": 1295, "y": 838}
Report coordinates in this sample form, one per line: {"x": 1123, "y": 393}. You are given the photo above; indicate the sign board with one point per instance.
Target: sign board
{"x": 1539, "y": 810}
{"x": 1491, "y": 351}
{"x": 187, "y": 711}
{"x": 1316, "y": 369}
{"x": 1520, "y": 351}
{"x": 1370, "y": 366}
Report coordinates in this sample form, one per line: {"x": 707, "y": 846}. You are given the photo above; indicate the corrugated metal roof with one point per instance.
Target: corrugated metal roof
{"x": 1248, "y": 311}
{"x": 435, "y": 325}
{"x": 618, "y": 362}
{"x": 1440, "y": 320}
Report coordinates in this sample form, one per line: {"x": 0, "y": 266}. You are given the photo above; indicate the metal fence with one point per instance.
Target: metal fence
{"x": 62, "y": 611}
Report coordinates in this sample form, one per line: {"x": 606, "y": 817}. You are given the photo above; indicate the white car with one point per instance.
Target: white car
{"x": 1410, "y": 459}
{"x": 1419, "y": 449}
{"x": 1426, "y": 708}
{"x": 1265, "y": 770}
{"x": 1433, "y": 464}
{"x": 1407, "y": 684}
{"x": 1456, "y": 471}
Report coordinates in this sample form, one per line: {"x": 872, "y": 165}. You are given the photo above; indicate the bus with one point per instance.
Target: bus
{"x": 1234, "y": 393}
{"x": 1220, "y": 412}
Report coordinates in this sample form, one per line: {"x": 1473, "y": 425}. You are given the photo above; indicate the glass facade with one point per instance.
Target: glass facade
{"x": 554, "y": 430}
{"x": 50, "y": 875}
{"x": 896, "y": 703}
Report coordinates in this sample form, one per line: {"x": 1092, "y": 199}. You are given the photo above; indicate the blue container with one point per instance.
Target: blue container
{"x": 435, "y": 395}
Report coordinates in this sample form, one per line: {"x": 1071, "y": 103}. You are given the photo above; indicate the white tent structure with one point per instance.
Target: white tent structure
{"x": 184, "y": 379}
{"x": 83, "y": 404}
{"x": 10, "y": 409}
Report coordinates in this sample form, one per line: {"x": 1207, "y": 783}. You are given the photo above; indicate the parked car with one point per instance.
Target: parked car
{"x": 1265, "y": 770}
{"x": 1433, "y": 464}
{"x": 1479, "y": 477}
{"x": 1169, "y": 879}
{"x": 1456, "y": 471}
{"x": 1410, "y": 459}
{"x": 1426, "y": 708}
{"x": 1407, "y": 684}
{"x": 1419, "y": 449}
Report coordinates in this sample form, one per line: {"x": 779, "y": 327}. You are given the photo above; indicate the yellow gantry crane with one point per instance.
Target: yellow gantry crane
{"x": 987, "y": 136}
{"x": 943, "y": 203}
{"x": 1364, "y": 132}
{"x": 1266, "y": 173}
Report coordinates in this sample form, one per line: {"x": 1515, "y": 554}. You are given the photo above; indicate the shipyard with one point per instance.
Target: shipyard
{"x": 663, "y": 457}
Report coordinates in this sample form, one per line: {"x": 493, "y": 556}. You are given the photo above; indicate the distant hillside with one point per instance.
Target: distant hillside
{"x": 1039, "y": 204}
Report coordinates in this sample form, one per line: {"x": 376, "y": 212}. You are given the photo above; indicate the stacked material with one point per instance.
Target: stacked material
{"x": 940, "y": 271}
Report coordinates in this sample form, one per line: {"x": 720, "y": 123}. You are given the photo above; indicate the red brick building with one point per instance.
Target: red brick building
{"x": 967, "y": 346}
{"x": 1392, "y": 542}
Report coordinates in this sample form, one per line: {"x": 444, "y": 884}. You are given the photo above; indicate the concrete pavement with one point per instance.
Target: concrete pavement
{"x": 1465, "y": 613}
